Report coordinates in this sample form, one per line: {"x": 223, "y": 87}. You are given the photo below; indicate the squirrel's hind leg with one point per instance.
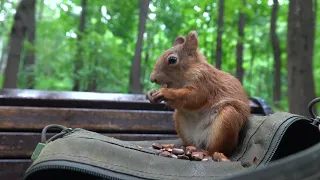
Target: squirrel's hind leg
{"x": 225, "y": 132}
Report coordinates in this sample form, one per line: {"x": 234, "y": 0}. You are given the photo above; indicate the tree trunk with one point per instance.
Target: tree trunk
{"x": 79, "y": 56}
{"x": 300, "y": 42}
{"x": 135, "y": 84}
{"x": 18, "y": 32}
{"x": 219, "y": 35}
{"x": 29, "y": 59}
{"x": 276, "y": 54}
{"x": 241, "y": 24}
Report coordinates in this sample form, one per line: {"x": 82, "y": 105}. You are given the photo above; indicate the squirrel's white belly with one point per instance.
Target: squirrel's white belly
{"x": 197, "y": 127}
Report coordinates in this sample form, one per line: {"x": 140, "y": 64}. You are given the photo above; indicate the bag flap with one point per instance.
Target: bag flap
{"x": 259, "y": 140}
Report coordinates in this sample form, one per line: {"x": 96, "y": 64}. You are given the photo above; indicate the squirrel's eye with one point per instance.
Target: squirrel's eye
{"x": 172, "y": 60}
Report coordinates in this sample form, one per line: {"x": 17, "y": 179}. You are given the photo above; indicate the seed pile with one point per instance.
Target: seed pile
{"x": 185, "y": 153}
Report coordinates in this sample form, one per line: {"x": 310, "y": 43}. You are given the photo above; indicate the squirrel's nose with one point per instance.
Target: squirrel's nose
{"x": 153, "y": 77}
{"x": 153, "y": 80}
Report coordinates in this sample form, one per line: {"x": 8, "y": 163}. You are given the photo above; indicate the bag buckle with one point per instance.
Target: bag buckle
{"x": 315, "y": 119}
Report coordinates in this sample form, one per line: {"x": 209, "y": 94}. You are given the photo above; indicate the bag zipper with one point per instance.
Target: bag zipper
{"x": 78, "y": 167}
{"x": 87, "y": 169}
{"x": 72, "y": 169}
{"x": 282, "y": 130}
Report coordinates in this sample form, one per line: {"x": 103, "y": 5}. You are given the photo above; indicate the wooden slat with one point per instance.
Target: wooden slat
{"x": 13, "y": 169}
{"x": 73, "y": 99}
{"x": 70, "y": 95}
{"x": 35, "y": 119}
{"x": 21, "y": 145}
{"x": 88, "y": 100}
{"x": 32, "y": 94}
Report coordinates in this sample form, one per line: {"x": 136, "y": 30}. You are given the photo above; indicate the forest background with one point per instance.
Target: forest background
{"x": 271, "y": 46}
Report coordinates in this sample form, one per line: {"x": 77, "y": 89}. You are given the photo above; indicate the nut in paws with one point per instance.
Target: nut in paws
{"x": 155, "y": 96}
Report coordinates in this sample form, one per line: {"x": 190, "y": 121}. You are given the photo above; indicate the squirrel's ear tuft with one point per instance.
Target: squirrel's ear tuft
{"x": 179, "y": 40}
{"x": 192, "y": 40}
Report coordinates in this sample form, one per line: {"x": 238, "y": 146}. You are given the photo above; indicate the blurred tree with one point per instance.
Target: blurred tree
{"x": 23, "y": 27}
{"x": 301, "y": 30}
{"x": 219, "y": 35}
{"x": 27, "y": 73}
{"x": 135, "y": 84}
{"x": 79, "y": 56}
{"x": 241, "y": 24}
{"x": 276, "y": 54}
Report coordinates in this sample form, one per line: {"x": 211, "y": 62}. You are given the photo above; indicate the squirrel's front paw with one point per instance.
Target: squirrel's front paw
{"x": 154, "y": 96}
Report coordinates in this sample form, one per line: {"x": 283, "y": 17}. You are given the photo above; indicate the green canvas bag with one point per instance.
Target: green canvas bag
{"x": 81, "y": 154}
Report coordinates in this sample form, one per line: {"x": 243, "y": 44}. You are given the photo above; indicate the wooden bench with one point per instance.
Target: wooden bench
{"x": 24, "y": 113}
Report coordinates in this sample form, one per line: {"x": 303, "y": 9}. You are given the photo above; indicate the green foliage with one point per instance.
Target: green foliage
{"x": 110, "y": 37}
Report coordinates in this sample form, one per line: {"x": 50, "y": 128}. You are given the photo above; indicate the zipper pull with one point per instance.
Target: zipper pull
{"x": 37, "y": 151}
{"x": 44, "y": 140}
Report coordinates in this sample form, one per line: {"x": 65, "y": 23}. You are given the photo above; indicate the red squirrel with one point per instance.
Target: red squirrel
{"x": 210, "y": 105}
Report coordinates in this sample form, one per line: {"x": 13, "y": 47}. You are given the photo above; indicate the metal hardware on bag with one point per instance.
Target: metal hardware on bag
{"x": 315, "y": 119}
